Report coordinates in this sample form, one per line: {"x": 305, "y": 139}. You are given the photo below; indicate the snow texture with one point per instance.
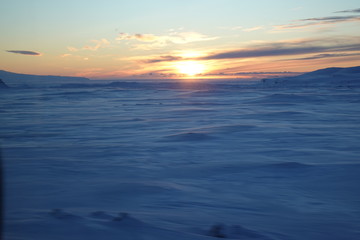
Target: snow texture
{"x": 183, "y": 160}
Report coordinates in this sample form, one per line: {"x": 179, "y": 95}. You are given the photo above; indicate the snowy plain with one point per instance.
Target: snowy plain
{"x": 182, "y": 160}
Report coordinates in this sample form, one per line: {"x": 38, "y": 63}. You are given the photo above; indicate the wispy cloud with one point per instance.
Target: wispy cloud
{"x": 262, "y": 52}
{"x": 328, "y": 55}
{"x": 96, "y": 44}
{"x": 357, "y": 10}
{"x": 152, "y": 41}
{"x": 250, "y": 29}
{"x": 168, "y": 58}
{"x": 31, "y": 53}
{"x": 102, "y": 43}
{"x": 174, "y": 37}
{"x": 253, "y": 29}
{"x": 72, "y": 49}
{"x": 309, "y": 22}
{"x": 233, "y": 28}
{"x": 138, "y": 36}
{"x": 65, "y": 55}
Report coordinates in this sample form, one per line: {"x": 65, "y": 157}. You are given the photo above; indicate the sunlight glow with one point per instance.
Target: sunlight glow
{"x": 190, "y": 68}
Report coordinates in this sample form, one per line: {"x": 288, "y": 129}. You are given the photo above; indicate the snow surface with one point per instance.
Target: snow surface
{"x": 181, "y": 161}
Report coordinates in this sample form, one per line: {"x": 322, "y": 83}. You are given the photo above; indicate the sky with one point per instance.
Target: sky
{"x": 151, "y": 39}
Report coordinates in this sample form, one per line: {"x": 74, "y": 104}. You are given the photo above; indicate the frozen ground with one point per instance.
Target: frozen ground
{"x": 188, "y": 162}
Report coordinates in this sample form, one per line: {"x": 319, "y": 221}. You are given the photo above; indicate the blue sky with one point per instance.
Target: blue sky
{"x": 132, "y": 39}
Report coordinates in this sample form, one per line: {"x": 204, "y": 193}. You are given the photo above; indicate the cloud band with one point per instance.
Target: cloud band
{"x": 281, "y": 50}
{"x": 31, "y": 53}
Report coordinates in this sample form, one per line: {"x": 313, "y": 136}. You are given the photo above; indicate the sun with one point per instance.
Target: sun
{"x": 190, "y": 68}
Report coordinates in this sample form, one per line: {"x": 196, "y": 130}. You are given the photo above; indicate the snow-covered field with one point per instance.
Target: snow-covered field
{"x": 189, "y": 162}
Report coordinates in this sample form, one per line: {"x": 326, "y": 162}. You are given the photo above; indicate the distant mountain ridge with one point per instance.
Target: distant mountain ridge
{"x": 27, "y": 80}
{"x": 327, "y": 77}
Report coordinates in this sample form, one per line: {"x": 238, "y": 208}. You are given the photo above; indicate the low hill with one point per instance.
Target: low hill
{"x": 26, "y": 80}
{"x": 328, "y": 77}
